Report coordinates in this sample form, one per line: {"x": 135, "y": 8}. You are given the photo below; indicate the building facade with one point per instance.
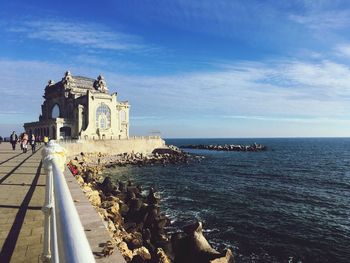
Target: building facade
{"x": 81, "y": 108}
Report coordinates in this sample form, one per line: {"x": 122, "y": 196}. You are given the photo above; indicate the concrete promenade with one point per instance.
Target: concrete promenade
{"x": 22, "y": 192}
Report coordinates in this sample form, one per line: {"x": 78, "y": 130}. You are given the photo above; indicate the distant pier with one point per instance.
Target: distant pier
{"x": 227, "y": 147}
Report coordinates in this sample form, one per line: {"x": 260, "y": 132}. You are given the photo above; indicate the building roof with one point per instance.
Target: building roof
{"x": 84, "y": 82}
{"x": 77, "y": 84}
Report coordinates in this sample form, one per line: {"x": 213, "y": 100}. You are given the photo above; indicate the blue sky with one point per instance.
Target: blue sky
{"x": 188, "y": 68}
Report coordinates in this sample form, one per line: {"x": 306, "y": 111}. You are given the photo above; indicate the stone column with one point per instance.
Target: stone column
{"x": 58, "y": 127}
{"x": 80, "y": 118}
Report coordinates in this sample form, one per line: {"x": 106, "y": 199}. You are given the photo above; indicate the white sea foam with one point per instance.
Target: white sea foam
{"x": 211, "y": 230}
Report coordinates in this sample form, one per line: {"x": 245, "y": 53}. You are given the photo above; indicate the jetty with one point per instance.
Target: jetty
{"x": 23, "y": 185}
{"x": 227, "y": 147}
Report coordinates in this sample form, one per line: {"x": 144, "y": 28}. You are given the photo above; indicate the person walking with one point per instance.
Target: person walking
{"x": 13, "y": 140}
{"x": 25, "y": 142}
{"x": 1, "y": 139}
{"x": 33, "y": 143}
{"x": 20, "y": 140}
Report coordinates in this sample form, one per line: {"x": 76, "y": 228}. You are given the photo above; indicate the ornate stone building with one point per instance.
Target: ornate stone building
{"x": 81, "y": 108}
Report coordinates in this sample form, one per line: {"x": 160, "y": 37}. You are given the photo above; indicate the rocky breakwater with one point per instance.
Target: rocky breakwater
{"x": 136, "y": 224}
{"x": 227, "y": 147}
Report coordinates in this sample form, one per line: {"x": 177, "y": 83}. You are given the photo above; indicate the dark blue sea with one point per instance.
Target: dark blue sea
{"x": 288, "y": 204}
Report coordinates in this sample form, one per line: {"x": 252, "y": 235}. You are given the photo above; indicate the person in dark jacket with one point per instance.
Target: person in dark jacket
{"x": 13, "y": 140}
{"x": 32, "y": 142}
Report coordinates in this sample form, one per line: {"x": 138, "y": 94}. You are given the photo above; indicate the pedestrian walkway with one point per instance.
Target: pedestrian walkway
{"x": 22, "y": 191}
{"x": 22, "y": 194}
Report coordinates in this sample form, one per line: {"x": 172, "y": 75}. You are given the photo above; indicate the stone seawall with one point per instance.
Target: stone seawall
{"x": 137, "y": 145}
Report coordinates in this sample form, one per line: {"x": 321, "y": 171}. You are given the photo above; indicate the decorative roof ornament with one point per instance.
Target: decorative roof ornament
{"x": 100, "y": 84}
{"x": 50, "y": 83}
{"x": 67, "y": 80}
{"x": 67, "y": 75}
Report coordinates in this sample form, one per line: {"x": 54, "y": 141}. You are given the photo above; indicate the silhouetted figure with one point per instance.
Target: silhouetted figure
{"x": 13, "y": 140}
{"x": 33, "y": 142}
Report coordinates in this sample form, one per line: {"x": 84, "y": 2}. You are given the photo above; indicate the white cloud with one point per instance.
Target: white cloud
{"x": 87, "y": 35}
{"x": 327, "y": 77}
{"x": 279, "y": 91}
{"x": 282, "y": 89}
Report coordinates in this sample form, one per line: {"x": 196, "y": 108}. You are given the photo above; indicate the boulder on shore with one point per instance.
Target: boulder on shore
{"x": 165, "y": 151}
{"x": 192, "y": 246}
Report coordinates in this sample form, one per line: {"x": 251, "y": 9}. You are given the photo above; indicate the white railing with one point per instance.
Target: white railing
{"x": 149, "y": 137}
{"x": 64, "y": 237}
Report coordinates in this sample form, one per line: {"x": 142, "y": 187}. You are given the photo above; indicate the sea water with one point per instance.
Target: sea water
{"x": 290, "y": 203}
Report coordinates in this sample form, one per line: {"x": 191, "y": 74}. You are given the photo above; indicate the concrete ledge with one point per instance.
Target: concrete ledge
{"x": 141, "y": 145}
{"x": 95, "y": 230}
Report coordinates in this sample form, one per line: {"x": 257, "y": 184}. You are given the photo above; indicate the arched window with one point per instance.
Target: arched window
{"x": 103, "y": 117}
{"x": 55, "y": 112}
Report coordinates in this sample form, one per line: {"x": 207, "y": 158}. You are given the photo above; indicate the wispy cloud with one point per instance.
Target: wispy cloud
{"x": 282, "y": 119}
{"x": 82, "y": 34}
{"x": 337, "y": 19}
{"x": 220, "y": 17}
{"x": 6, "y": 113}
{"x": 278, "y": 91}
{"x": 343, "y": 50}
{"x": 23, "y": 87}
{"x": 328, "y": 78}
{"x": 142, "y": 118}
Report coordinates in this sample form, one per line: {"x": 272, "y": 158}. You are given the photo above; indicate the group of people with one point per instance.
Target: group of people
{"x": 26, "y": 139}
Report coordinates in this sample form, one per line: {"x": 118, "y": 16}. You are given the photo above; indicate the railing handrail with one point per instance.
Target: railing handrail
{"x": 148, "y": 137}
{"x": 64, "y": 237}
